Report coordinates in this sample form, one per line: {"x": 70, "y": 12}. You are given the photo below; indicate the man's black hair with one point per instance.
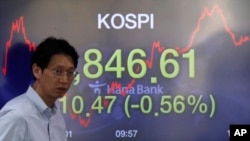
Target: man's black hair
{"x": 52, "y": 46}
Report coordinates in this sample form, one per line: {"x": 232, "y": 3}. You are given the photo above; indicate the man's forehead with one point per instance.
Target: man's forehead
{"x": 61, "y": 60}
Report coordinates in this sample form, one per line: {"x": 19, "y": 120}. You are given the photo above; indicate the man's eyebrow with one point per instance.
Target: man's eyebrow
{"x": 62, "y": 66}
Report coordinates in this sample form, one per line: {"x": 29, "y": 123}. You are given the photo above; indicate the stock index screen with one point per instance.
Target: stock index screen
{"x": 149, "y": 70}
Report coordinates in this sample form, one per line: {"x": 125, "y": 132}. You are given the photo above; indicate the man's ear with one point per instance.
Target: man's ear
{"x": 36, "y": 70}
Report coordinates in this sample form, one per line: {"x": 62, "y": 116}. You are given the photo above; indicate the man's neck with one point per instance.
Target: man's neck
{"x": 49, "y": 101}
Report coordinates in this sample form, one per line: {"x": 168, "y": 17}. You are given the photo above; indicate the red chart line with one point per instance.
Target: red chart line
{"x": 18, "y": 26}
{"x": 208, "y": 13}
{"x": 157, "y": 45}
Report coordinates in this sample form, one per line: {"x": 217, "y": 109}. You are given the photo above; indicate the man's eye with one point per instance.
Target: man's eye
{"x": 70, "y": 73}
{"x": 58, "y": 71}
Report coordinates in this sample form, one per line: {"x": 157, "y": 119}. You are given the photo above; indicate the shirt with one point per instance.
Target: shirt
{"x": 28, "y": 118}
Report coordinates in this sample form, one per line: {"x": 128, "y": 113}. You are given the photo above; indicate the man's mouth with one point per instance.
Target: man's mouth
{"x": 62, "y": 89}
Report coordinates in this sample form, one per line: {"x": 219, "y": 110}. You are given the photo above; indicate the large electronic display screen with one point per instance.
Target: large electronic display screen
{"x": 149, "y": 70}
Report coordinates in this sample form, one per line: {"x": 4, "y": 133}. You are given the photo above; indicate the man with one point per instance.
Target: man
{"x": 35, "y": 115}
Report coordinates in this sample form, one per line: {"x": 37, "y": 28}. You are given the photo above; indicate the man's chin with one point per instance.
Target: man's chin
{"x": 60, "y": 95}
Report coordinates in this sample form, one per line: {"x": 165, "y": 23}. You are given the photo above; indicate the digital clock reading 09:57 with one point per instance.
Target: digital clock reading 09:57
{"x": 126, "y": 133}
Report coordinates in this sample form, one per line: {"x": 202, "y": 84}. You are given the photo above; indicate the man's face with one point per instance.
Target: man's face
{"x": 56, "y": 79}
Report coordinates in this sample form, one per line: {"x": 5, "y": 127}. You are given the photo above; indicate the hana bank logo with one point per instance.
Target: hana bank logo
{"x": 137, "y": 89}
{"x": 97, "y": 87}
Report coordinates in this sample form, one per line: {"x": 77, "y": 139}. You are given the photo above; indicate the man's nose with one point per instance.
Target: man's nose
{"x": 64, "y": 78}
